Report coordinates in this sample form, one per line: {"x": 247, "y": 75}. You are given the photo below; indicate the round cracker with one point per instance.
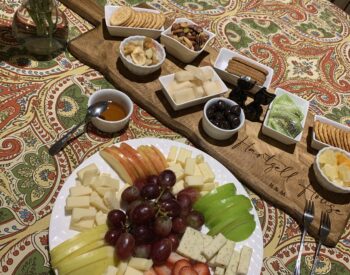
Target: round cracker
{"x": 130, "y": 20}
{"x": 330, "y": 132}
{"x": 136, "y": 20}
{"x": 324, "y": 135}
{"x": 337, "y": 137}
{"x": 120, "y": 16}
{"x": 161, "y": 21}
{"x": 146, "y": 19}
{"x": 151, "y": 20}
{"x": 342, "y": 138}
{"x": 347, "y": 140}
{"x": 155, "y": 21}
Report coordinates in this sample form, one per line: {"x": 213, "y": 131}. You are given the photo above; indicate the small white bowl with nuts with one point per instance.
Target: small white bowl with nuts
{"x": 141, "y": 55}
{"x": 185, "y": 40}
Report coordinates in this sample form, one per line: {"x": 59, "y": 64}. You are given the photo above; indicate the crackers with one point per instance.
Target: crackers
{"x": 331, "y": 135}
{"x": 129, "y": 17}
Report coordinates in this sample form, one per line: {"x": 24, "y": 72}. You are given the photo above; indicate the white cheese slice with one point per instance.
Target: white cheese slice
{"x": 89, "y": 181}
{"x": 83, "y": 214}
{"x": 77, "y": 191}
{"x": 140, "y": 263}
{"x": 178, "y": 186}
{"x": 233, "y": 264}
{"x": 193, "y": 181}
{"x": 77, "y": 202}
{"x": 206, "y": 172}
{"x": 103, "y": 190}
{"x": 215, "y": 245}
{"x": 105, "y": 180}
{"x": 176, "y": 167}
{"x": 190, "y": 164}
{"x": 110, "y": 200}
{"x": 183, "y": 155}
{"x": 96, "y": 201}
{"x": 191, "y": 245}
{"x": 172, "y": 154}
{"x": 100, "y": 218}
{"x": 225, "y": 253}
{"x": 244, "y": 260}
{"x": 197, "y": 171}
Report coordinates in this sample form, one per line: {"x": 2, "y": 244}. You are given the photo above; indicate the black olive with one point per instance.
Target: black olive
{"x": 236, "y": 110}
{"x": 217, "y": 123}
{"x": 235, "y": 122}
{"x": 226, "y": 125}
{"x": 221, "y": 105}
{"x": 210, "y": 113}
{"x": 219, "y": 116}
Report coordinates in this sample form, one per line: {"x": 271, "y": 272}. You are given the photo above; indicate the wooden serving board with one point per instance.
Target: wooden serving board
{"x": 281, "y": 174}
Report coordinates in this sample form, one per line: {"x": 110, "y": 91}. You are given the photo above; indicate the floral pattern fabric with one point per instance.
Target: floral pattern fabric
{"x": 306, "y": 42}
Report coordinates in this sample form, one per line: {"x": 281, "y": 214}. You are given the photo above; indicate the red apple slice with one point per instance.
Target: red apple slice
{"x": 161, "y": 156}
{"x": 157, "y": 163}
{"x": 149, "y": 161}
{"x": 133, "y": 161}
{"x": 128, "y": 163}
{"x": 113, "y": 158}
{"x": 138, "y": 158}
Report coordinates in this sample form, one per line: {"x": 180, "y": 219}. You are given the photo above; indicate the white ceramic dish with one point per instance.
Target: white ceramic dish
{"x": 167, "y": 79}
{"x": 221, "y": 63}
{"x": 176, "y": 49}
{"x": 322, "y": 178}
{"x": 115, "y": 96}
{"x": 138, "y": 69}
{"x": 129, "y": 31}
{"x": 216, "y": 132}
{"x": 59, "y": 224}
{"x": 304, "y": 107}
{"x": 317, "y": 144}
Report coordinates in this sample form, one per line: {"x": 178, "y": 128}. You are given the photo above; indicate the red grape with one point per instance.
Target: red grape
{"x": 142, "y": 234}
{"x": 179, "y": 225}
{"x": 167, "y": 179}
{"x": 132, "y": 206}
{"x": 142, "y": 213}
{"x": 112, "y": 236}
{"x": 150, "y": 191}
{"x": 160, "y": 251}
{"x": 171, "y": 207}
{"x": 125, "y": 246}
{"x": 139, "y": 183}
{"x": 142, "y": 251}
{"x": 191, "y": 192}
{"x": 130, "y": 194}
{"x": 116, "y": 218}
{"x": 185, "y": 204}
{"x": 166, "y": 195}
{"x": 162, "y": 226}
{"x": 152, "y": 179}
{"x": 175, "y": 241}
{"x": 195, "y": 219}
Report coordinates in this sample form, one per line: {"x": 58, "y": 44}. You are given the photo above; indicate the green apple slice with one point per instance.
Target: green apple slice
{"x": 219, "y": 193}
{"x": 226, "y": 213}
{"x": 219, "y": 206}
{"x": 230, "y": 222}
{"x": 241, "y": 232}
{"x": 96, "y": 268}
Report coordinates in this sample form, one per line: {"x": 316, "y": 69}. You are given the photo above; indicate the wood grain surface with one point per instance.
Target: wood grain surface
{"x": 281, "y": 174}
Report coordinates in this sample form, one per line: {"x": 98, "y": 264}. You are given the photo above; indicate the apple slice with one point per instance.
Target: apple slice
{"x": 148, "y": 161}
{"x": 137, "y": 157}
{"x": 112, "y": 156}
{"x": 132, "y": 161}
{"x": 157, "y": 163}
{"x": 161, "y": 156}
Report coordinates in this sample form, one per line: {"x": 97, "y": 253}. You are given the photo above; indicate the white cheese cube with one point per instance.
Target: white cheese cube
{"x": 197, "y": 171}
{"x": 89, "y": 181}
{"x": 172, "y": 154}
{"x": 225, "y": 253}
{"x": 105, "y": 180}
{"x": 77, "y": 191}
{"x": 244, "y": 260}
{"x": 208, "y": 186}
{"x": 77, "y": 202}
{"x": 206, "y": 172}
{"x": 183, "y": 155}
{"x": 182, "y": 76}
{"x": 231, "y": 269}
{"x": 100, "y": 218}
{"x": 103, "y": 190}
{"x": 178, "y": 186}
{"x": 82, "y": 225}
{"x": 184, "y": 95}
{"x": 96, "y": 201}
{"x": 140, "y": 263}
{"x": 215, "y": 245}
{"x": 176, "y": 167}
{"x": 132, "y": 271}
{"x": 199, "y": 158}
{"x": 219, "y": 271}
{"x": 110, "y": 200}
{"x": 87, "y": 172}
{"x": 111, "y": 270}
{"x": 122, "y": 266}
{"x": 190, "y": 165}
{"x": 191, "y": 245}
{"x": 193, "y": 181}
{"x": 211, "y": 87}
{"x": 180, "y": 175}
{"x": 83, "y": 214}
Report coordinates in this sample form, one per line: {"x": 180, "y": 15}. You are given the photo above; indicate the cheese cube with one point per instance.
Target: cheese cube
{"x": 96, "y": 201}
{"x": 83, "y": 214}
{"x": 89, "y": 181}
{"x": 190, "y": 165}
{"x": 176, "y": 167}
{"x": 183, "y": 155}
{"x": 244, "y": 260}
{"x": 191, "y": 245}
{"x": 140, "y": 263}
{"x": 206, "y": 172}
{"x": 100, "y": 218}
{"x": 180, "y": 175}
{"x": 82, "y": 225}
{"x": 110, "y": 200}
{"x": 199, "y": 91}
{"x": 132, "y": 271}
{"x": 199, "y": 159}
{"x": 208, "y": 186}
{"x": 88, "y": 171}
{"x": 219, "y": 271}
{"x": 103, "y": 190}
{"x": 77, "y": 202}
{"x": 225, "y": 253}
{"x": 105, "y": 180}
{"x": 184, "y": 95}
{"x": 197, "y": 171}
{"x": 76, "y": 191}
{"x": 193, "y": 181}
{"x": 215, "y": 245}
{"x": 178, "y": 186}
{"x": 122, "y": 266}
{"x": 172, "y": 154}
{"x": 111, "y": 270}
{"x": 231, "y": 269}
{"x": 211, "y": 87}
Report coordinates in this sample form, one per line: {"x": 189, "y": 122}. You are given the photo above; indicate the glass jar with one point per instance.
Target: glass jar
{"x": 41, "y": 27}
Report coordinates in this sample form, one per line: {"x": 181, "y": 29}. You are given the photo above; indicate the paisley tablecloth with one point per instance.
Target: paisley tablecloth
{"x": 307, "y": 42}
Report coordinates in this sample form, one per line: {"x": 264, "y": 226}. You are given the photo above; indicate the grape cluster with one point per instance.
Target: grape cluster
{"x": 154, "y": 219}
{"x": 223, "y": 115}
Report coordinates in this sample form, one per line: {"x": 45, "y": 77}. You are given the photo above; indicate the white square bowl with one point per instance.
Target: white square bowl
{"x": 304, "y": 107}
{"x": 167, "y": 79}
{"x": 317, "y": 144}
{"x": 221, "y": 64}
{"x": 176, "y": 49}
{"x": 123, "y": 31}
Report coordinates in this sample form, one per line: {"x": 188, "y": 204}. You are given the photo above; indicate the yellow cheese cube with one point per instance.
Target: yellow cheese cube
{"x": 208, "y": 186}
{"x": 183, "y": 155}
{"x": 87, "y": 172}
{"x": 122, "y": 266}
{"x": 244, "y": 260}
{"x": 76, "y": 191}
{"x": 83, "y": 225}
{"x": 197, "y": 171}
{"x": 190, "y": 165}
{"x": 175, "y": 167}
{"x": 178, "y": 186}
{"x": 110, "y": 200}
{"x": 193, "y": 181}
{"x": 172, "y": 154}
{"x": 100, "y": 218}
{"x": 83, "y": 214}
{"x": 96, "y": 201}
{"x": 75, "y": 202}
{"x": 206, "y": 172}
{"x": 140, "y": 263}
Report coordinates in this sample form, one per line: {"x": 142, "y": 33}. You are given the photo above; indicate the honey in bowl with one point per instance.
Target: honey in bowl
{"x": 114, "y": 112}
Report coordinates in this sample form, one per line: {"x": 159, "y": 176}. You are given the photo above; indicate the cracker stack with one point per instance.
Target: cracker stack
{"x": 331, "y": 135}
{"x": 128, "y": 17}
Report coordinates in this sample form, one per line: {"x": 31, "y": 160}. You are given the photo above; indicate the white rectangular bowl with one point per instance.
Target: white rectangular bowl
{"x": 178, "y": 50}
{"x": 167, "y": 79}
{"x": 129, "y": 31}
{"x": 304, "y": 107}
{"x": 221, "y": 64}
{"x": 317, "y": 144}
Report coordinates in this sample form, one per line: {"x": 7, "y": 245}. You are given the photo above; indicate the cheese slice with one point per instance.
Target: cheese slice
{"x": 105, "y": 180}
{"x": 87, "y": 172}
{"x": 100, "y": 218}
{"x": 172, "y": 154}
{"x": 176, "y": 167}
{"x": 96, "y": 201}
{"x": 77, "y": 202}
{"x": 103, "y": 190}
{"x": 122, "y": 266}
{"x": 140, "y": 263}
{"x": 178, "y": 186}
{"x": 77, "y": 191}
{"x": 215, "y": 245}
{"x": 110, "y": 200}
{"x": 83, "y": 214}
{"x": 82, "y": 225}
{"x": 191, "y": 245}
{"x": 233, "y": 264}
{"x": 193, "y": 181}
{"x": 244, "y": 260}
{"x": 225, "y": 253}
{"x": 183, "y": 155}
{"x": 206, "y": 172}
{"x": 208, "y": 186}
{"x": 190, "y": 165}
